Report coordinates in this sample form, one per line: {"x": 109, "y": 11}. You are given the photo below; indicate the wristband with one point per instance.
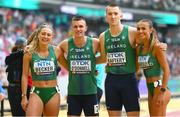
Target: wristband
{"x": 23, "y": 95}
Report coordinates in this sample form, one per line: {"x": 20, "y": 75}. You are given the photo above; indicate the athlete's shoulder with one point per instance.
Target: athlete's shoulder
{"x": 103, "y": 33}
{"x": 156, "y": 47}
{"x": 132, "y": 29}
{"x": 132, "y": 35}
{"x": 63, "y": 45}
{"x": 64, "y": 42}
{"x": 101, "y": 36}
{"x": 28, "y": 55}
{"x": 95, "y": 39}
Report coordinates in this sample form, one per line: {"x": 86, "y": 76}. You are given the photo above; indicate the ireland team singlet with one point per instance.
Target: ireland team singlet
{"x": 82, "y": 64}
{"x": 120, "y": 54}
{"x": 149, "y": 63}
{"x": 44, "y": 68}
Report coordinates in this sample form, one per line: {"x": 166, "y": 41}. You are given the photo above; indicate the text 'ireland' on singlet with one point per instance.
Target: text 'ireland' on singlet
{"x": 82, "y": 64}
{"x": 120, "y": 54}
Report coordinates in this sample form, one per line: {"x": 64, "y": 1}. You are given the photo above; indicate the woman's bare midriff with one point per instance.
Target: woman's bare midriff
{"x": 48, "y": 83}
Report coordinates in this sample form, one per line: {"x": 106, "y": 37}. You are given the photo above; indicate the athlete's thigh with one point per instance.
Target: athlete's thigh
{"x": 112, "y": 94}
{"x": 53, "y": 105}
{"x": 99, "y": 94}
{"x": 74, "y": 105}
{"x": 166, "y": 97}
{"x": 150, "y": 103}
{"x": 90, "y": 105}
{"x": 130, "y": 95}
{"x": 35, "y": 106}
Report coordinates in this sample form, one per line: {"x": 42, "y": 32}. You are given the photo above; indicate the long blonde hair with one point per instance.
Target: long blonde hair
{"x": 33, "y": 40}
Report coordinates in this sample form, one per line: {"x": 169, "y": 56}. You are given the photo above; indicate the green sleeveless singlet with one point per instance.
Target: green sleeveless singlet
{"x": 120, "y": 54}
{"x": 81, "y": 61}
{"x": 149, "y": 64}
{"x": 44, "y": 68}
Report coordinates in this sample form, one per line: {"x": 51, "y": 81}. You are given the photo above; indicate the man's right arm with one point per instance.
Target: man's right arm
{"x": 132, "y": 35}
{"x": 102, "y": 58}
{"x": 63, "y": 46}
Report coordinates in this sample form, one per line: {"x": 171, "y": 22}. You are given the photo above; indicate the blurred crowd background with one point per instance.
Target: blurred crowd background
{"x": 19, "y": 20}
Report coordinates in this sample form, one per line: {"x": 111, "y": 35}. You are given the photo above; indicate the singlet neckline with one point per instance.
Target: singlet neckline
{"x": 42, "y": 57}
{"x": 149, "y": 50}
{"x": 83, "y": 45}
{"x": 141, "y": 51}
{"x": 119, "y": 34}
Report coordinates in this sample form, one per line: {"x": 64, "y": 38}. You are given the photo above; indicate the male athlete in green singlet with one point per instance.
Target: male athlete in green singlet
{"x": 118, "y": 49}
{"x": 82, "y": 87}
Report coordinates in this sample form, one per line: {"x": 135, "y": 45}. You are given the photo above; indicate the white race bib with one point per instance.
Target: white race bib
{"x": 43, "y": 67}
{"x": 80, "y": 66}
{"x": 144, "y": 62}
{"x": 116, "y": 58}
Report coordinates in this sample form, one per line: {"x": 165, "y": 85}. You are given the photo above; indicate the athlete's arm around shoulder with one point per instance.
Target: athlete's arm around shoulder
{"x": 62, "y": 48}
{"x": 161, "y": 57}
{"x": 96, "y": 47}
{"x": 102, "y": 57}
{"x": 132, "y": 35}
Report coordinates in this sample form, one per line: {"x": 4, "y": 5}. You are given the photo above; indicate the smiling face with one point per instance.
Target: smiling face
{"x": 45, "y": 36}
{"x": 79, "y": 28}
{"x": 113, "y": 15}
{"x": 144, "y": 30}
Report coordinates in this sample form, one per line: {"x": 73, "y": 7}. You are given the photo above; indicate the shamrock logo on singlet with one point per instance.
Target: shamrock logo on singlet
{"x": 87, "y": 48}
{"x": 37, "y": 91}
{"x": 123, "y": 37}
{"x": 107, "y": 40}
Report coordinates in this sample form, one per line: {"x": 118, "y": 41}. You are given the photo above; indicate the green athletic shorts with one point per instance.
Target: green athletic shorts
{"x": 45, "y": 93}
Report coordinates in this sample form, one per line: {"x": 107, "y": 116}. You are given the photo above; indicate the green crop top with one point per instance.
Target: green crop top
{"x": 149, "y": 63}
{"x": 44, "y": 68}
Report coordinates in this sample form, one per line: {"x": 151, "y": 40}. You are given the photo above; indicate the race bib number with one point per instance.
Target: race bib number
{"x": 43, "y": 67}
{"x": 96, "y": 109}
{"x": 116, "y": 58}
{"x": 144, "y": 62}
{"x": 80, "y": 66}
